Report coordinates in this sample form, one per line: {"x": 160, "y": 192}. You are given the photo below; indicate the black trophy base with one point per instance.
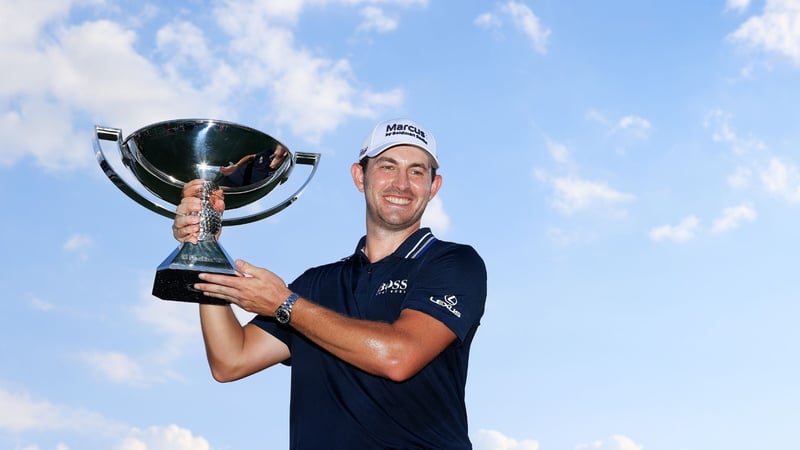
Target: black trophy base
{"x": 178, "y": 273}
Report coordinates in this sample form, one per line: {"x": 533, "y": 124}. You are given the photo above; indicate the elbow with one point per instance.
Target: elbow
{"x": 221, "y": 377}
{"x": 400, "y": 375}
{"x": 394, "y": 360}
{"x": 399, "y": 368}
{"x": 224, "y": 374}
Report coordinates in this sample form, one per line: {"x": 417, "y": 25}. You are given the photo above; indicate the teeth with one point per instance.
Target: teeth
{"x": 398, "y": 201}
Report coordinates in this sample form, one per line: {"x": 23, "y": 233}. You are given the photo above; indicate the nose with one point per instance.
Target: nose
{"x": 401, "y": 179}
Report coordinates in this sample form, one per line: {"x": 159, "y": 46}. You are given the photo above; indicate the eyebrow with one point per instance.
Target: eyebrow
{"x": 381, "y": 158}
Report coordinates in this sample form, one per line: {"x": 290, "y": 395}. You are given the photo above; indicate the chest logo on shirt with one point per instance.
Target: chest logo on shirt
{"x": 449, "y": 302}
{"x": 393, "y": 287}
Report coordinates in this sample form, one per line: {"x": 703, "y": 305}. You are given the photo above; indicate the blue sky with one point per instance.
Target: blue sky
{"x": 628, "y": 170}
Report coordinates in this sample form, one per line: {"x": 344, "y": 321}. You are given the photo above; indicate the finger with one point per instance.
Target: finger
{"x": 218, "y": 202}
{"x": 189, "y": 205}
{"x": 185, "y": 224}
{"x": 212, "y": 290}
{"x": 245, "y": 268}
{"x": 183, "y": 220}
{"x": 193, "y": 188}
{"x": 213, "y": 280}
{"x": 218, "y": 193}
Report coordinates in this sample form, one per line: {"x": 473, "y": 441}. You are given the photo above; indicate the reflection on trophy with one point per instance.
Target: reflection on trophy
{"x": 242, "y": 164}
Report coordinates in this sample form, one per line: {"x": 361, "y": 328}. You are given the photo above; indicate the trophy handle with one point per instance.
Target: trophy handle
{"x": 115, "y": 135}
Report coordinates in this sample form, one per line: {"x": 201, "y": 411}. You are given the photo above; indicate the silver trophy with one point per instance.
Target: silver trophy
{"x": 241, "y": 163}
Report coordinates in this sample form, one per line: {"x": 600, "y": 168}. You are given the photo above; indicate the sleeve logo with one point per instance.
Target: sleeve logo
{"x": 449, "y": 302}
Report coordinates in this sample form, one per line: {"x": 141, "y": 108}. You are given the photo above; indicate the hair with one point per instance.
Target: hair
{"x": 364, "y": 162}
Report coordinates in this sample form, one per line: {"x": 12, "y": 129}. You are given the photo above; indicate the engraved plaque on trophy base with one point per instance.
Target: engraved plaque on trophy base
{"x": 179, "y": 272}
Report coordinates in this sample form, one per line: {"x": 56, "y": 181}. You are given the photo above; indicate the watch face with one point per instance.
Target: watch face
{"x": 282, "y": 315}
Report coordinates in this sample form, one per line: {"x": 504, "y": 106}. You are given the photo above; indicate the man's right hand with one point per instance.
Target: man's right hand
{"x": 186, "y": 226}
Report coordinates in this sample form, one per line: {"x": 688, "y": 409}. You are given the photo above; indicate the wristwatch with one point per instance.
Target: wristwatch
{"x": 284, "y": 312}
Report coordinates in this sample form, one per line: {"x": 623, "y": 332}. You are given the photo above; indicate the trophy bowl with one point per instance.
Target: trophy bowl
{"x": 242, "y": 163}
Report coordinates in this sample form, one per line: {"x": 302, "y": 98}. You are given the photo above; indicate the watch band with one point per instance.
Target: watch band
{"x": 284, "y": 312}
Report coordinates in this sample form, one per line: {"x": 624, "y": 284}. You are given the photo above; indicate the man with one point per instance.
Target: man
{"x": 378, "y": 342}
{"x": 255, "y": 167}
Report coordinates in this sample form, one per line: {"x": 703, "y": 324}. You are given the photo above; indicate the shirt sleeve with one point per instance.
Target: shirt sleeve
{"x": 271, "y": 325}
{"x": 451, "y": 287}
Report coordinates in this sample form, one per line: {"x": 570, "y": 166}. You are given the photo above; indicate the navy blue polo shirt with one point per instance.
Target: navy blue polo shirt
{"x": 335, "y": 405}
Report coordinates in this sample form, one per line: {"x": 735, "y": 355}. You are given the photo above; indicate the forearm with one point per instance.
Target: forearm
{"x": 376, "y": 347}
{"x": 223, "y": 337}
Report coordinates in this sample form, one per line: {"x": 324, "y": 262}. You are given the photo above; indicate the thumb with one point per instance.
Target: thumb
{"x": 245, "y": 267}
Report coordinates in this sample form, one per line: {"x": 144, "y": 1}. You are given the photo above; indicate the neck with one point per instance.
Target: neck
{"x": 382, "y": 242}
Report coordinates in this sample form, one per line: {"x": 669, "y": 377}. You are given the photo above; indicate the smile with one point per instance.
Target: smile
{"x": 397, "y": 200}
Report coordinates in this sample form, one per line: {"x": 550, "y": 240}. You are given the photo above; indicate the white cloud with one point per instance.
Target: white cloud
{"x": 558, "y": 151}
{"x": 41, "y": 305}
{"x": 721, "y": 131}
{"x": 732, "y": 217}
{"x": 777, "y": 30}
{"x": 488, "y": 20}
{"x": 627, "y": 130}
{"x": 20, "y": 413}
{"x": 635, "y": 124}
{"x": 90, "y": 68}
{"x": 174, "y": 319}
{"x": 78, "y": 241}
{"x": 187, "y": 58}
{"x": 177, "y": 322}
{"x": 782, "y": 179}
{"x": 116, "y": 367}
{"x": 597, "y": 116}
{"x": 435, "y": 216}
{"x": 95, "y": 69}
{"x": 376, "y": 20}
{"x": 740, "y": 178}
{"x": 494, "y": 440}
{"x": 170, "y": 437}
{"x": 310, "y": 94}
{"x": 684, "y": 231}
{"x": 574, "y": 194}
{"x": 615, "y": 442}
{"x": 737, "y": 5}
{"x": 523, "y": 18}
{"x": 77, "y": 245}
{"x": 179, "y": 325}
{"x": 778, "y": 177}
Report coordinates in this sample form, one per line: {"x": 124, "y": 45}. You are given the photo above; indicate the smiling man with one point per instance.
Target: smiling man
{"x": 378, "y": 342}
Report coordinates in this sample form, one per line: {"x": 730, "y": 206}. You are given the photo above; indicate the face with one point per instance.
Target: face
{"x": 397, "y": 186}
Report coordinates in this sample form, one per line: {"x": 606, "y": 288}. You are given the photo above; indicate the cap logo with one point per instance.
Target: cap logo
{"x": 408, "y": 130}
{"x": 394, "y": 132}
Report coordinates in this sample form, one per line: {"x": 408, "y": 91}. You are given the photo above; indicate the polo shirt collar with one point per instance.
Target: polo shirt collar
{"x": 413, "y": 247}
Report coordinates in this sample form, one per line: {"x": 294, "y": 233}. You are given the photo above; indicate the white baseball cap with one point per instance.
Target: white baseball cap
{"x": 395, "y": 132}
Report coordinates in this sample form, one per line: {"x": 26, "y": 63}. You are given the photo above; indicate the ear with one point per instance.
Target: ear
{"x": 435, "y": 185}
{"x": 358, "y": 176}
